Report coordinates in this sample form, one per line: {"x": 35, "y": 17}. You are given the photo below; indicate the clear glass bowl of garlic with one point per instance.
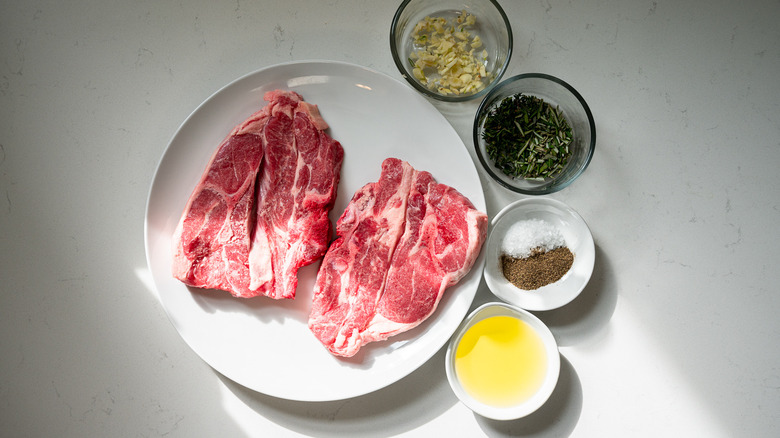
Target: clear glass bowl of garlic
{"x": 451, "y": 50}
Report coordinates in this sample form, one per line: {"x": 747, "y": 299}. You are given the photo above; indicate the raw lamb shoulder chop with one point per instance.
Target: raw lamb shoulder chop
{"x": 276, "y": 172}
{"x": 402, "y": 241}
{"x": 296, "y": 191}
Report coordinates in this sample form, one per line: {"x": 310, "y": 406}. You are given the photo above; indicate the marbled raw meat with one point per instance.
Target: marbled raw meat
{"x": 403, "y": 241}
{"x": 276, "y": 173}
{"x": 297, "y": 189}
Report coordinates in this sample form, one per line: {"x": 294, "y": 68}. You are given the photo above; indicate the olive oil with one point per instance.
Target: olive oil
{"x": 501, "y": 361}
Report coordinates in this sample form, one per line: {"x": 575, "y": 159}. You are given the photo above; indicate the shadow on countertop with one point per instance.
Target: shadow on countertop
{"x": 588, "y": 315}
{"x": 403, "y": 406}
{"x": 556, "y": 418}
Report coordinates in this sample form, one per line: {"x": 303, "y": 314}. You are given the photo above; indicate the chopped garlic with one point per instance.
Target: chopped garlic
{"x": 444, "y": 60}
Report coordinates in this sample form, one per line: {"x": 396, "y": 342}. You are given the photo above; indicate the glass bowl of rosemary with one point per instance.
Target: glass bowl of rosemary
{"x": 451, "y": 50}
{"x": 534, "y": 134}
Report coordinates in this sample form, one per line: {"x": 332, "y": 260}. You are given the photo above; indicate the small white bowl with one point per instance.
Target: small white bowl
{"x": 550, "y": 350}
{"x": 577, "y": 237}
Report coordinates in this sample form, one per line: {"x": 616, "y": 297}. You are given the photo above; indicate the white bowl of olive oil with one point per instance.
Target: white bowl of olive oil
{"x": 502, "y": 362}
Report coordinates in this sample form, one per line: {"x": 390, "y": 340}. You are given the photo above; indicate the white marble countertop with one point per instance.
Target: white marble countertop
{"x": 676, "y": 334}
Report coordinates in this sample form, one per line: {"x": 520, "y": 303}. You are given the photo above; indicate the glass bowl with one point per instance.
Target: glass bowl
{"x": 545, "y": 358}
{"x": 576, "y": 235}
{"x": 559, "y": 94}
{"x": 492, "y": 27}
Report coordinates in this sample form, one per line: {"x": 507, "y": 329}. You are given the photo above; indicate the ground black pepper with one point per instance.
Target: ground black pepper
{"x": 539, "y": 269}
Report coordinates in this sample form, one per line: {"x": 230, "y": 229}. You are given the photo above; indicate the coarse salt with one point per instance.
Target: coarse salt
{"x": 525, "y": 236}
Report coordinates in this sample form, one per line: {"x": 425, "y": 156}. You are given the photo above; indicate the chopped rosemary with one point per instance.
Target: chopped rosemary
{"x": 526, "y": 137}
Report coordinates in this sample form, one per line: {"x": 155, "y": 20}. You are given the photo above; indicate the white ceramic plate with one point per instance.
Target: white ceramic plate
{"x": 578, "y": 239}
{"x": 265, "y": 344}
